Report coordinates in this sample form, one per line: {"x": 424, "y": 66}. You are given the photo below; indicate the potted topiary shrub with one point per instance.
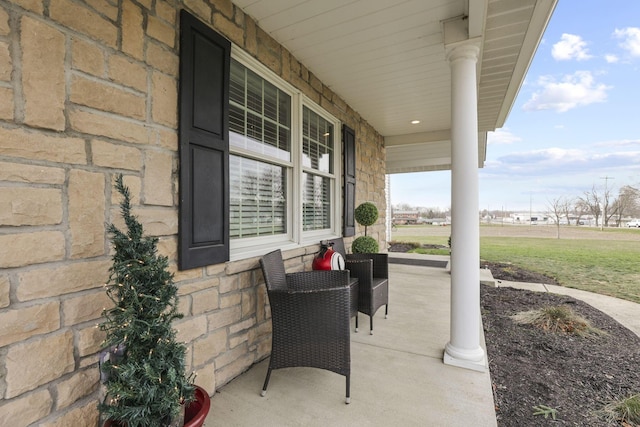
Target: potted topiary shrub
{"x": 143, "y": 368}
{"x": 365, "y": 214}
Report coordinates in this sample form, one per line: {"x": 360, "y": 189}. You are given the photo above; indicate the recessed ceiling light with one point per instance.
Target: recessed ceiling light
{"x": 415, "y": 122}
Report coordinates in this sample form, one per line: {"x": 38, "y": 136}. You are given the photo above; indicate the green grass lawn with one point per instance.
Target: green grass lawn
{"x": 601, "y": 266}
{"x": 608, "y": 266}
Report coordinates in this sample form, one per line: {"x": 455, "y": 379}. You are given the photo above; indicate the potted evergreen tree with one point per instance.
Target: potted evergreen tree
{"x": 365, "y": 214}
{"x": 143, "y": 369}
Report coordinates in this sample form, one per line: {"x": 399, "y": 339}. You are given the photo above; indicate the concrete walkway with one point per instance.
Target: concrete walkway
{"x": 397, "y": 379}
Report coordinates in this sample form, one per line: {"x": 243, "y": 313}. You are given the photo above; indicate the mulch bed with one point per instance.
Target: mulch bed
{"x": 530, "y": 367}
{"x": 509, "y": 272}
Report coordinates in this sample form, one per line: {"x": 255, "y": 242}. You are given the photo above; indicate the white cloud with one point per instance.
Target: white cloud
{"x": 630, "y": 39}
{"x": 559, "y": 162}
{"x": 619, "y": 143}
{"x": 502, "y": 136}
{"x": 574, "y": 90}
{"x": 611, "y": 59}
{"x": 514, "y": 178}
{"x": 569, "y": 47}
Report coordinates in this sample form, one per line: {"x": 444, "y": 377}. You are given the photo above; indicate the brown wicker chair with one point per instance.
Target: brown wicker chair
{"x": 310, "y": 314}
{"x": 372, "y": 272}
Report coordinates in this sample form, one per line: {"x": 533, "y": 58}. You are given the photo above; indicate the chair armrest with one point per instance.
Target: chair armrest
{"x": 317, "y": 279}
{"x": 304, "y": 293}
{"x": 380, "y": 263}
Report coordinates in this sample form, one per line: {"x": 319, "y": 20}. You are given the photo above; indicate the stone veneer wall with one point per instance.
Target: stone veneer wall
{"x": 87, "y": 90}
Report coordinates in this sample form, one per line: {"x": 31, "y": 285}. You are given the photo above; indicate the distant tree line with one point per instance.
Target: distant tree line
{"x": 607, "y": 208}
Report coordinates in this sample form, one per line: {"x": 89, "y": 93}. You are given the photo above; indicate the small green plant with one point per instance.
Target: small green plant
{"x": 366, "y": 214}
{"x": 624, "y": 411}
{"x": 365, "y": 245}
{"x": 557, "y": 319}
{"x": 546, "y": 411}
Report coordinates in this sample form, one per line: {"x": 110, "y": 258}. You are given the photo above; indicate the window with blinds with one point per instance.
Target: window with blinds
{"x": 282, "y": 160}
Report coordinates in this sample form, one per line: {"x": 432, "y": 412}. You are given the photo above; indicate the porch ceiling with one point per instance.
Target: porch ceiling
{"x": 386, "y": 59}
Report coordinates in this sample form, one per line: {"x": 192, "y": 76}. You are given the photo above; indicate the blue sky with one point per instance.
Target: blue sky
{"x": 575, "y": 122}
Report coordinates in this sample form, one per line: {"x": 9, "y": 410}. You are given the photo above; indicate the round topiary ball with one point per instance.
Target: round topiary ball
{"x": 364, "y": 245}
{"x": 366, "y": 214}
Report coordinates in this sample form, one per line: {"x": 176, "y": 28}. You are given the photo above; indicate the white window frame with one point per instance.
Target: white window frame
{"x": 294, "y": 237}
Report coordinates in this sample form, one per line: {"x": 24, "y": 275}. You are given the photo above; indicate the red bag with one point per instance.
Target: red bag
{"x": 328, "y": 259}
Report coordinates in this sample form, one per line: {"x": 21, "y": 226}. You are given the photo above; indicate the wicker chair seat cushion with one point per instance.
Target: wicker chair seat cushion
{"x": 377, "y": 282}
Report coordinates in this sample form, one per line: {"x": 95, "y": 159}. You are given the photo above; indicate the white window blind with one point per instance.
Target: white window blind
{"x": 317, "y": 152}
{"x": 260, "y": 125}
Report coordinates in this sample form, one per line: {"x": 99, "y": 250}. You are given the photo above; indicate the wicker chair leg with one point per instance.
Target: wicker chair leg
{"x": 386, "y": 311}
{"x": 371, "y": 324}
{"x": 356, "y": 323}
{"x": 348, "y": 399}
{"x": 266, "y": 383}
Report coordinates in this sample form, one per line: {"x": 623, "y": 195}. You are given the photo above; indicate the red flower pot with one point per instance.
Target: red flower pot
{"x": 194, "y": 414}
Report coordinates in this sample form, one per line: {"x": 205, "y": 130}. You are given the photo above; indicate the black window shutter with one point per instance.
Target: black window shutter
{"x": 349, "y": 142}
{"x": 204, "y": 145}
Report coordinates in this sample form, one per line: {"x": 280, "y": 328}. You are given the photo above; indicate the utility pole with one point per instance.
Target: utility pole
{"x": 530, "y": 208}
{"x": 606, "y": 180}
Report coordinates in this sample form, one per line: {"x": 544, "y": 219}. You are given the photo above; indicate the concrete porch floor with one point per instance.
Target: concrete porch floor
{"x": 397, "y": 375}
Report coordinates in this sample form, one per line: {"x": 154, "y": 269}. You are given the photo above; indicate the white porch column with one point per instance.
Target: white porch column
{"x": 464, "y": 349}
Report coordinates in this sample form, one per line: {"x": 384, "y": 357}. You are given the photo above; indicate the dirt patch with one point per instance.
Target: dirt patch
{"x": 574, "y": 375}
{"x": 512, "y": 273}
{"x": 401, "y": 247}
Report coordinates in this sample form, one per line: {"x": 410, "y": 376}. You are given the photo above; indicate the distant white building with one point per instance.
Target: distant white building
{"x": 529, "y": 218}
{"x": 437, "y": 221}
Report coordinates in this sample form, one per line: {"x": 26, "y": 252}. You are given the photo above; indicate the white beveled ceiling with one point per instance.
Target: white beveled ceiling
{"x": 387, "y": 60}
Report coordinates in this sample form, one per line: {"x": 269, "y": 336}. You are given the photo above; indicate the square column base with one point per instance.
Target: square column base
{"x": 479, "y": 366}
